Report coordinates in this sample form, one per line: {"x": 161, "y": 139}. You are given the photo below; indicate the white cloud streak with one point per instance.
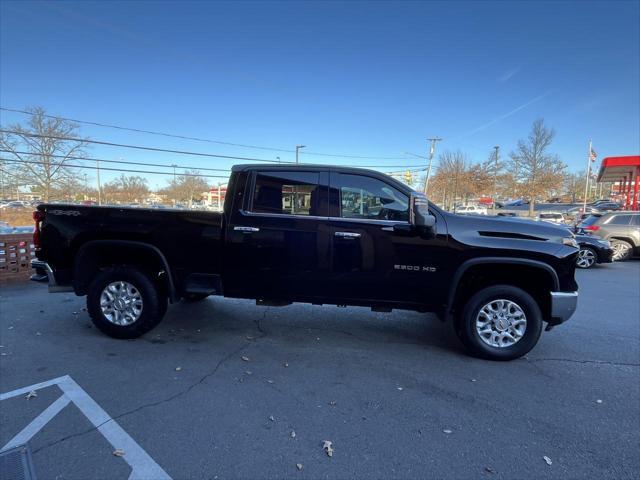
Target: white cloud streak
{"x": 508, "y": 114}
{"x": 506, "y": 76}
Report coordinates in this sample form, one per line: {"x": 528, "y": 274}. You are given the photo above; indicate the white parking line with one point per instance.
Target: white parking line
{"x": 36, "y": 425}
{"x": 142, "y": 465}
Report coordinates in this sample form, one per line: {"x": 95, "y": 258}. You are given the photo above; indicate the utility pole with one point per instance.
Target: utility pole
{"x": 298, "y": 147}
{"x": 99, "y": 186}
{"x": 174, "y": 172}
{"x": 586, "y": 184}
{"x": 432, "y": 152}
{"x": 495, "y": 177}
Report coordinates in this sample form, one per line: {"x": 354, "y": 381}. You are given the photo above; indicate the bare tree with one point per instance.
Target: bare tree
{"x": 452, "y": 179}
{"x": 39, "y": 153}
{"x": 536, "y": 171}
{"x": 187, "y": 187}
{"x": 126, "y": 189}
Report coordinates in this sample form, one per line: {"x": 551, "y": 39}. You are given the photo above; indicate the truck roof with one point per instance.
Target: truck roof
{"x": 317, "y": 168}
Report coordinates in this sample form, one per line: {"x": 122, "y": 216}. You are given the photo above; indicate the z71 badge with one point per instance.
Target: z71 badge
{"x": 415, "y": 268}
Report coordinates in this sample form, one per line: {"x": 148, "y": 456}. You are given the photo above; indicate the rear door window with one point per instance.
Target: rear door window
{"x": 286, "y": 193}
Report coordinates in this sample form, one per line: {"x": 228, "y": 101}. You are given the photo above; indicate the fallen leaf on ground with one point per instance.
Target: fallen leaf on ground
{"x": 327, "y": 446}
{"x": 447, "y": 431}
{"x": 548, "y": 460}
{"x": 118, "y": 452}
{"x": 31, "y": 394}
{"x": 271, "y": 418}
{"x": 489, "y": 470}
{"x": 248, "y": 372}
{"x": 286, "y": 364}
{"x": 598, "y": 401}
{"x": 400, "y": 388}
{"x": 299, "y": 466}
{"x": 332, "y": 403}
{"x": 249, "y": 337}
{"x": 293, "y": 434}
{"x": 473, "y": 380}
{"x": 246, "y": 359}
{"x": 178, "y": 369}
{"x": 38, "y": 333}
{"x": 270, "y": 381}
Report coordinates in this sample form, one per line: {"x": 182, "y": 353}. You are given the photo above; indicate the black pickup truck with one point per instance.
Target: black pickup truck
{"x": 320, "y": 235}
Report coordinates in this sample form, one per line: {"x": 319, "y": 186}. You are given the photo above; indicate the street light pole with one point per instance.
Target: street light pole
{"x": 99, "y": 187}
{"x": 432, "y": 152}
{"x": 495, "y": 177}
{"x": 298, "y": 147}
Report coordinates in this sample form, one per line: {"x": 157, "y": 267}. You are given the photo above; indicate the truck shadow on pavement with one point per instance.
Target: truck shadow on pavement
{"x": 298, "y": 325}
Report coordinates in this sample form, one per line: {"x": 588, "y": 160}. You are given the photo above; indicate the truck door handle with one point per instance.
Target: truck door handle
{"x": 347, "y": 234}
{"x": 246, "y": 229}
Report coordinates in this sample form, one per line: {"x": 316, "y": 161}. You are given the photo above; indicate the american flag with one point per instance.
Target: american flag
{"x": 592, "y": 155}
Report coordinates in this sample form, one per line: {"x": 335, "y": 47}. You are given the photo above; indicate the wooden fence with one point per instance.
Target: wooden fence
{"x": 16, "y": 252}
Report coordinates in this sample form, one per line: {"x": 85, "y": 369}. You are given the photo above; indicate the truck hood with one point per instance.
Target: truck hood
{"x": 508, "y": 228}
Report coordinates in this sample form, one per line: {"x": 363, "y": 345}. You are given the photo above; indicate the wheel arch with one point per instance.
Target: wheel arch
{"x": 541, "y": 280}
{"x": 96, "y": 254}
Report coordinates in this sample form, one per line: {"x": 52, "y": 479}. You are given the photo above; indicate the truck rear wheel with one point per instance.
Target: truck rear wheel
{"x": 500, "y": 323}
{"x": 123, "y": 302}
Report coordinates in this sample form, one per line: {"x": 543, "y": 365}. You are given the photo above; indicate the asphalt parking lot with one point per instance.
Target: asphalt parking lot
{"x": 218, "y": 388}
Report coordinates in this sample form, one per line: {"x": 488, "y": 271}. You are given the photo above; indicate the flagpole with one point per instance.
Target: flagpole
{"x": 586, "y": 185}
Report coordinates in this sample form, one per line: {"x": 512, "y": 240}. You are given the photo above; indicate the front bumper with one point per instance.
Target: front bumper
{"x": 563, "y": 305}
{"x": 605, "y": 255}
{"x": 54, "y": 287}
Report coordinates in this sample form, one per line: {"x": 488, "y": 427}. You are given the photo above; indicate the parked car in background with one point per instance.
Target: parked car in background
{"x": 470, "y": 210}
{"x": 593, "y": 250}
{"x": 15, "y": 205}
{"x": 621, "y": 228}
{"x": 518, "y": 202}
{"x": 553, "y": 217}
{"x": 607, "y": 206}
{"x": 8, "y": 230}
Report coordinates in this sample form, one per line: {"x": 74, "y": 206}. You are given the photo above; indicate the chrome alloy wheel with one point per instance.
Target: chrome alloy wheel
{"x": 501, "y": 323}
{"x": 620, "y": 250}
{"x": 121, "y": 303}
{"x": 586, "y": 258}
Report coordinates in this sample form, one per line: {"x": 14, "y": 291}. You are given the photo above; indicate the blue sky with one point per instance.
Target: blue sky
{"x": 359, "y": 78}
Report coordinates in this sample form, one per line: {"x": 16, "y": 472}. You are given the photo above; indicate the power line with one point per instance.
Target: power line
{"x": 178, "y": 152}
{"x": 35, "y": 162}
{"x": 197, "y": 139}
{"x": 138, "y": 147}
{"x": 116, "y": 161}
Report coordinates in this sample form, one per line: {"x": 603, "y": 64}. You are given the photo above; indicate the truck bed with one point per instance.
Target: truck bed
{"x": 190, "y": 240}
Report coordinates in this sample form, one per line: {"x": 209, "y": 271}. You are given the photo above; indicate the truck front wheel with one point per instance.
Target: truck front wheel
{"x": 123, "y": 302}
{"x": 500, "y": 323}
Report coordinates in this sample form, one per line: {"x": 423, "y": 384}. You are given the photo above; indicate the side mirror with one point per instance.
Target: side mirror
{"x": 421, "y": 219}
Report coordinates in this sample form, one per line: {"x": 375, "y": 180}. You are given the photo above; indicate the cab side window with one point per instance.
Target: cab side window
{"x": 370, "y": 198}
{"x": 286, "y": 193}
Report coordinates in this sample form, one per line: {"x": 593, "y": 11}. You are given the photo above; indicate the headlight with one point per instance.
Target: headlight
{"x": 570, "y": 241}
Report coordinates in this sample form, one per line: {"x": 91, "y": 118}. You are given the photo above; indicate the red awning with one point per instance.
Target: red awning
{"x": 615, "y": 169}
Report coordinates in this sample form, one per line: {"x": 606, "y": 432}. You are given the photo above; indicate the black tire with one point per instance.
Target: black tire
{"x": 468, "y": 334}
{"x": 194, "y": 297}
{"x": 586, "y": 261}
{"x": 622, "y": 250}
{"x": 154, "y": 303}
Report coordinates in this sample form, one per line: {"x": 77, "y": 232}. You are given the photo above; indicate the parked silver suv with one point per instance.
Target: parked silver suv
{"x": 621, "y": 228}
